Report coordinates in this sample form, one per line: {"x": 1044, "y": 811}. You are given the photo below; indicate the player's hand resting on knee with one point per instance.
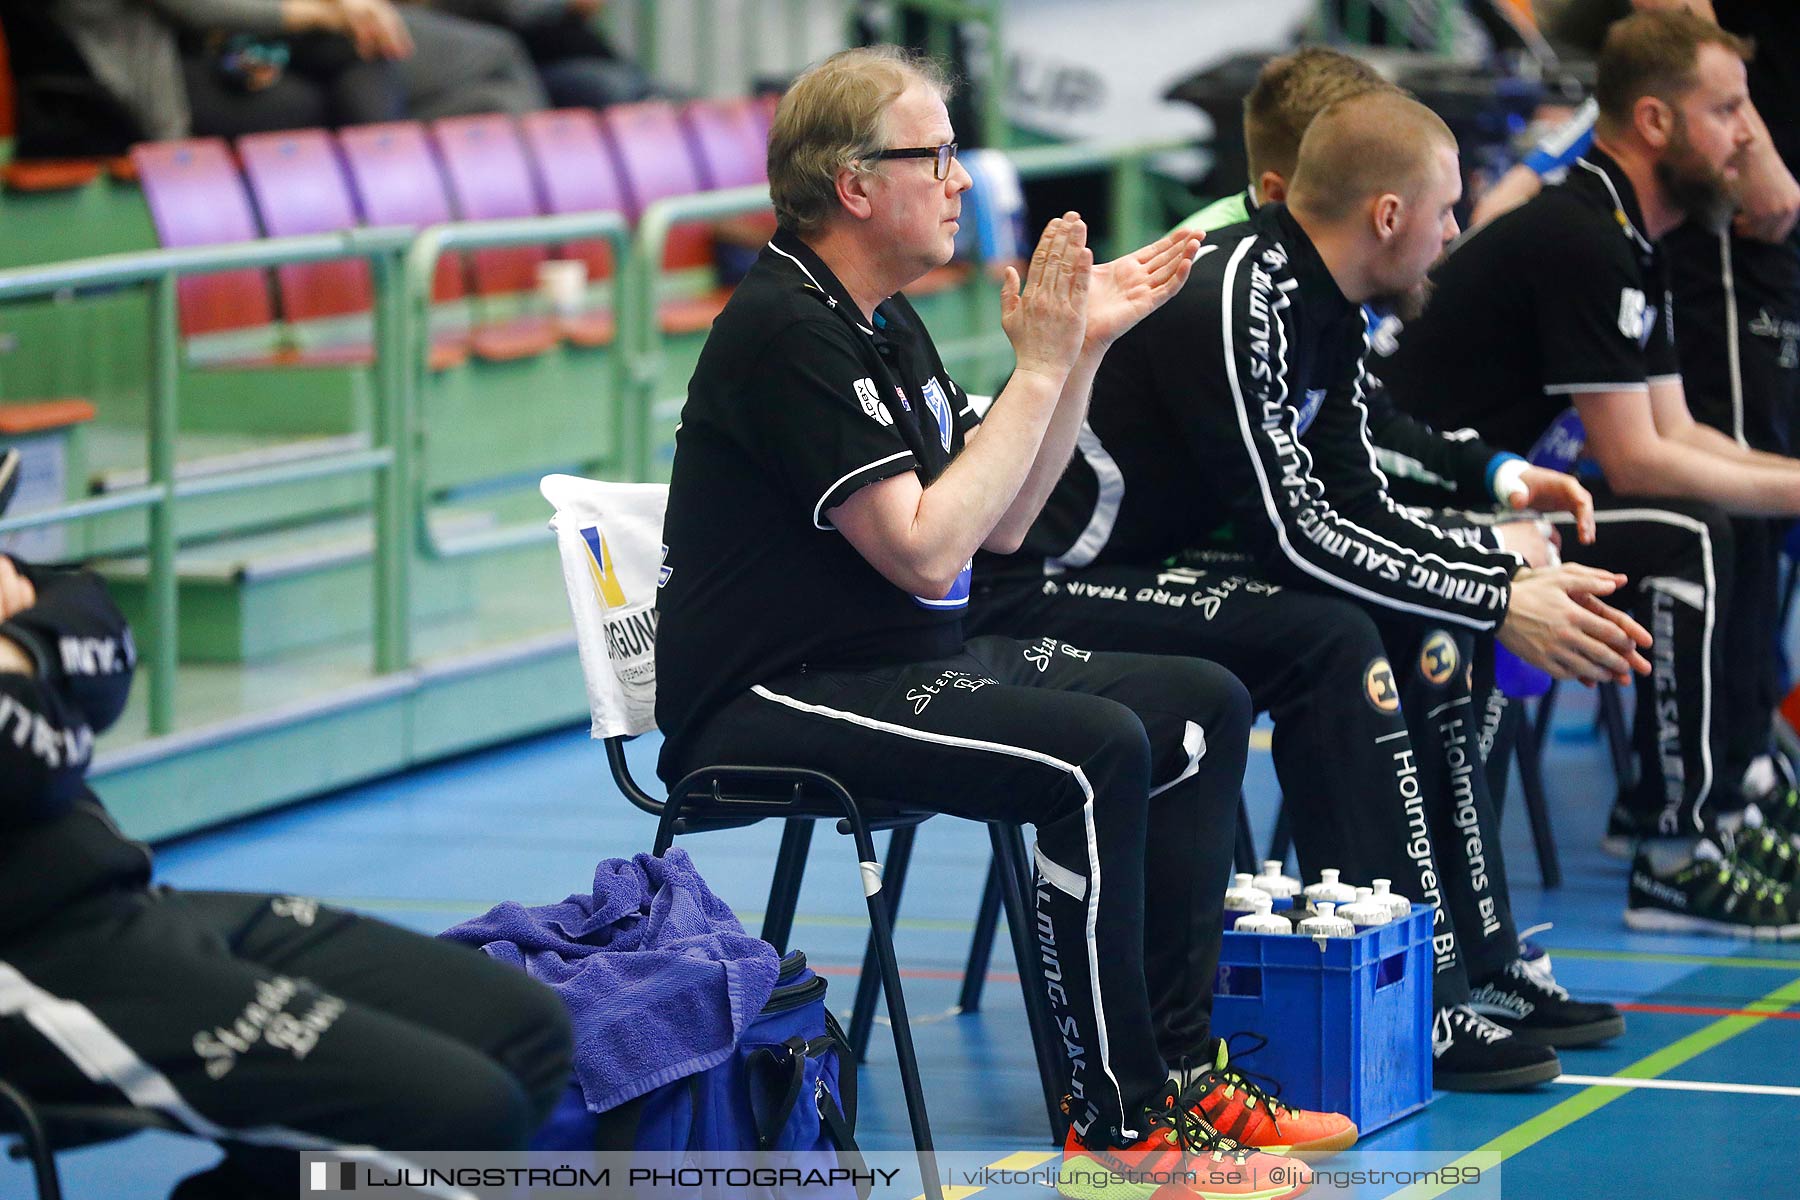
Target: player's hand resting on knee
{"x": 1557, "y": 622}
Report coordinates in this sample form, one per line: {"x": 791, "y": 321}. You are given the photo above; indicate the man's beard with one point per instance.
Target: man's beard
{"x": 1693, "y": 187}
{"x": 1408, "y": 305}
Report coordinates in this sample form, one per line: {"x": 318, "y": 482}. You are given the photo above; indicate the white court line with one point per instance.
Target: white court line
{"x": 1677, "y": 1085}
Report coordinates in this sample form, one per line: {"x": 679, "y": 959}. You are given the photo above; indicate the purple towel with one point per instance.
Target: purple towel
{"x": 658, "y": 975}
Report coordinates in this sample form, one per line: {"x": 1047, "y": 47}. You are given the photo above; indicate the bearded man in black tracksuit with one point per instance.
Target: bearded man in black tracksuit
{"x": 273, "y": 1024}
{"x": 1240, "y": 406}
{"x": 1553, "y": 333}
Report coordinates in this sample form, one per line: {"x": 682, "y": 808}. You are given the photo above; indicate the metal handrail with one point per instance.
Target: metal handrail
{"x": 640, "y": 279}
{"x": 159, "y": 271}
{"x": 432, "y": 244}
{"x": 403, "y": 267}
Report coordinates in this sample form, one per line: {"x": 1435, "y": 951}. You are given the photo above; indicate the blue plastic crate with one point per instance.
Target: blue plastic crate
{"x": 1348, "y": 1020}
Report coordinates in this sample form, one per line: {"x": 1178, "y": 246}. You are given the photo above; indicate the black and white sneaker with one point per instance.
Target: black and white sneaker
{"x": 1472, "y": 1054}
{"x": 1712, "y": 893}
{"x": 1540, "y": 1012}
{"x": 1767, "y": 851}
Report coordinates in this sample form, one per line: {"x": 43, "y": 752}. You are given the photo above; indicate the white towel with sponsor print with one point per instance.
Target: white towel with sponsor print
{"x": 610, "y": 536}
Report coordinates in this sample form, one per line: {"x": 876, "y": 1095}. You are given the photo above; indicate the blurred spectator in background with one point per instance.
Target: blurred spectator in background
{"x": 171, "y": 68}
{"x": 575, "y": 62}
{"x": 97, "y": 75}
{"x": 461, "y": 66}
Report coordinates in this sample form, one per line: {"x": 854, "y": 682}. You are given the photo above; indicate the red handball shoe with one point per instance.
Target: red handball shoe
{"x": 1243, "y": 1111}
{"x": 1180, "y": 1157}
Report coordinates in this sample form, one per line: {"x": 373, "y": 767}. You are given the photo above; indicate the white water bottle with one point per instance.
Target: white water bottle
{"x": 1399, "y": 907}
{"x": 1274, "y": 882}
{"x": 1326, "y": 923}
{"x": 1262, "y": 919}
{"x": 1365, "y": 911}
{"x": 1330, "y": 888}
{"x": 1242, "y": 895}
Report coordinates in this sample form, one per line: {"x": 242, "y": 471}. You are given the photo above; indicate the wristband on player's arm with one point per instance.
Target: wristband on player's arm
{"x": 1506, "y": 477}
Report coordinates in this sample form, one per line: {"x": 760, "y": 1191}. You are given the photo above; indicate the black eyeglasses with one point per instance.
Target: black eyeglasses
{"x": 942, "y": 156}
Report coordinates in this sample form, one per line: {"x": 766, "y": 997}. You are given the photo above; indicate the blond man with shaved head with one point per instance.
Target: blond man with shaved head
{"x": 1230, "y": 425}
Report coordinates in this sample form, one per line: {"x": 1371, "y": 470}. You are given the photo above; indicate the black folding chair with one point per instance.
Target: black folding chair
{"x": 626, "y": 520}
{"x": 41, "y": 1130}
{"x": 731, "y": 797}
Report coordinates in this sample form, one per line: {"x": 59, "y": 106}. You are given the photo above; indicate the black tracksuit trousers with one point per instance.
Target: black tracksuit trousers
{"x": 276, "y": 1024}
{"x": 1129, "y": 767}
{"x": 1738, "y": 335}
{"x": 1375, "y": 728}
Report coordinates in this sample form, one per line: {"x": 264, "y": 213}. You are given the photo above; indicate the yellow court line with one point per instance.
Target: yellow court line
{"x": 1019, "y": 1160}
{"x": 1590, "y": 1100}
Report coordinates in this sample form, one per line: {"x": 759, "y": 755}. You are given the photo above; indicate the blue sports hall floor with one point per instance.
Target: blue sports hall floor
{"x": 1712, "y": 1046}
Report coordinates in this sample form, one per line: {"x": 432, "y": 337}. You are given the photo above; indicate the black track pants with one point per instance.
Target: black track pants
{"x": 1362, "y": 763}
{"x": 1129, "y": 767}
{"x": 1678, "y": 556}
{"x": 1739, "y": 340}
{"x": 283, "y": 1024}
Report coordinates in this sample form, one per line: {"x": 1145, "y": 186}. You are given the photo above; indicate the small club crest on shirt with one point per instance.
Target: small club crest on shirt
{"x": 1632, "y": 320}
{"x": 939, "y": 404}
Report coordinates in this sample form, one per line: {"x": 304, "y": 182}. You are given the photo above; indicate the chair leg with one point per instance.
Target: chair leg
{"x": 981, "y": 946}
{"x": 31, "y": 1131}
{"x": 1283, "y": 840}
{"x": 893, "y": 880}
{"x": 906, "y": 1056}
{"x": 784, "y": 888}
{"x": 1529, "y": 753}
{"x": 1245, "y": 853}
{"x": 1546, "y": 709}
{"x": 1013, "y": 863}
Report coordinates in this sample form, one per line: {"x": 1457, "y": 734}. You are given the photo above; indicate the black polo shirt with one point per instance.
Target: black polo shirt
{"x": 796, "y": 404}
{"x": 1562, "y": 296}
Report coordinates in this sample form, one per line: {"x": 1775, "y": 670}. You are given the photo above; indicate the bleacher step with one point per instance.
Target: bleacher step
{"x": 253, "y": 599}
{"x": 295, "y": 503}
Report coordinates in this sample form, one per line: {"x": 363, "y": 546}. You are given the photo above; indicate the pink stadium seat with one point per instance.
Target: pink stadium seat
{"x": 656, "y": 162}
{"x": 491, "y": 180}
{"x": 766, "y": 104}
{"x": 729, "y": 140}
{"x": 300, "y": 188}
{"x": 197, "y": 199}
{"x": 396, "y": 180}
{"x": 577, "y": 174}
